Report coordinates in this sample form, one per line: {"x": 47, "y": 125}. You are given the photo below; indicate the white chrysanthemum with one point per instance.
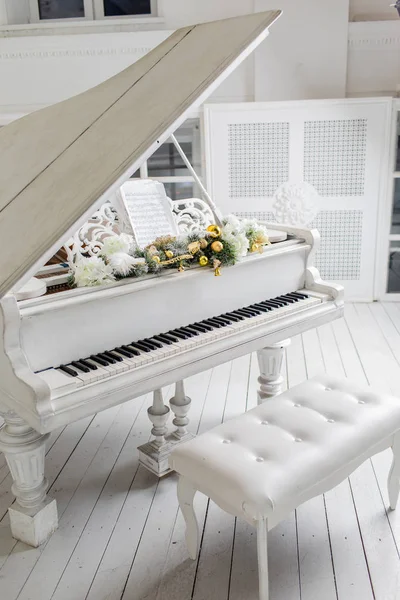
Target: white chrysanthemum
{"x": 116, "y": 243}
{"x": 238, "y": 239}
{"x": 92, "y": 271}
{"x": 251, "y": 224}
{"x": 122, "y": 263}
{"x": 232, "y": 222}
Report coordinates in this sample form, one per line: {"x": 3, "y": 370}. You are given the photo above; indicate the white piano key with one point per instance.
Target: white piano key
{"x": 62, "y": 382}
{"x": 59, "y": 381}
{"x": 86, "y": 378}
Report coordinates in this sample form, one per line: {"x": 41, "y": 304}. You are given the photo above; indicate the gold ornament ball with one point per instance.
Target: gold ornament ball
{"x": 169, "y": 253}
{"x": 203, "y": 243}
{"x": 217, "y": 246}
{"x": 156, "y": 259}
{"x": 214, "y": 230}
{"x": 203, "y": 261}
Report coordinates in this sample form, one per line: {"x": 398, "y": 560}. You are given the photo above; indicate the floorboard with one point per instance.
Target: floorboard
{"x": 121, "y": 536}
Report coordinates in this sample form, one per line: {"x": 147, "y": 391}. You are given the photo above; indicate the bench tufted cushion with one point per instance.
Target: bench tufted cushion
{"x": 291, "y": 448}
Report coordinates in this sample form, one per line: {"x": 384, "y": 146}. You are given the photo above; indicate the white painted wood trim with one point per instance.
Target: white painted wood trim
{"x": 385, "y": 212}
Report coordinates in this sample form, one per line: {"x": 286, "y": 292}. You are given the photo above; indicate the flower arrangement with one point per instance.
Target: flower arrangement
{"x": 215, "y": 247}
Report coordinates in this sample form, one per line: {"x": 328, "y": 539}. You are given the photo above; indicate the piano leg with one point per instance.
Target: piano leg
{"x": 180, "y": 406}
{"x": 270, "y": 361}
{"x": 33, "y": 517}
{"x": 154, "y": 455}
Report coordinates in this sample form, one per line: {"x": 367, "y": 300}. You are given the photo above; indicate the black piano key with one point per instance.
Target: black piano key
{"x": 206, "y": 325}
{"x": 125, "y": 353}
{"x": 214, "y": 324}
{"x": 139, "y": 346}
{"x": 191, "y": 332}
{"x": 295, "y": 298}
{"x": 243, "y": 314}
{"x": 262, "y": 307}
{"x": 185, "y": 332}
{"x": 235, "y": 316}
{"x": 201, "y": 327}
{"x": 68, "y": 370}
{"x": 221, "y": 321}
{"x": 78, "y": 365}
{"x": 114, "y": 355}
{"x": 246, "y": 313}
{"x": 281, "y": 299}
{"x": 300, "y": 295}
{"x": 254, "y": 309}
{"x": 288, "y": 299}
{"x": 101, "y": 361}
{"x": 171, "y": 337}
{"x": 149, "y": 344}
{"x": 232, "y": 318}
{"x": 146, "y": 344}
{"x": 273, "y": 304}
{"x": 225, "y": 319}
{"x": 155, "y": 343}
{"x": 88, "y": 363}
{"x": 133, "y": 351}
{"x": 164, "y": 340}
{"x": 267, "y": 306}
{"x": 110, "y": 360}
{"x": 180, "y": 334}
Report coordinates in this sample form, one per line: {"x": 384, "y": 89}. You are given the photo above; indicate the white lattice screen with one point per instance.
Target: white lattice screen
{"x": 335, "y": 152}
{"x": 339, "y": 256}
{"x": 258, "y": 158}
{"x": 337, "y": 146}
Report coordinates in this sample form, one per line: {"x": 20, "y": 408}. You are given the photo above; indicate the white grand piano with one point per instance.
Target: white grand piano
{"x": 60, "y": 165}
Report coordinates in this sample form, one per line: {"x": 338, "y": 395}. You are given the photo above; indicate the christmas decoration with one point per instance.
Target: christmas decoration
{"x": 214, "y": 231}
{"x": 216, "y": 247}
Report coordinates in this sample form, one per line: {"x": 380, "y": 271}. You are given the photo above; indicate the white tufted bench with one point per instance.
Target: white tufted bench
{"x": 264, "y": 463}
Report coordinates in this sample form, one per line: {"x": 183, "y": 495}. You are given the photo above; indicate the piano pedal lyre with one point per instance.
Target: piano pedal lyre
{"x": 154, "y": 455}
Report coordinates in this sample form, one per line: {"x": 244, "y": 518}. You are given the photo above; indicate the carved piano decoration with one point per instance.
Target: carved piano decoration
{"x": 117, "y": 342}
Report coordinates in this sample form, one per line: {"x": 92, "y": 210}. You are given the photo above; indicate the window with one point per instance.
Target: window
{"x": 167, "y": 166}
{"x": 50, "y": 10}
{"x": 393, "y": 279}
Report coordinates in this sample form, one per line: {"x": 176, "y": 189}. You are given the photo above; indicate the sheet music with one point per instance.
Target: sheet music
{"x": 148, "y": 210}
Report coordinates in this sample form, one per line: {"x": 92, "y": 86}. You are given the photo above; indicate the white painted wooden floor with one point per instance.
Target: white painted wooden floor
{"x": 121, "y": 536}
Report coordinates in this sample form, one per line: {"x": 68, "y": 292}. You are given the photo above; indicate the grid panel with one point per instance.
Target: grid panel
{"x": 339, "y": 255}
{"x": 258, "y": 158}
{"x": 335, "y": 156}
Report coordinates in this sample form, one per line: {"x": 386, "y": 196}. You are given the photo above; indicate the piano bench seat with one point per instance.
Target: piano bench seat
{"x": 264, "y": 463}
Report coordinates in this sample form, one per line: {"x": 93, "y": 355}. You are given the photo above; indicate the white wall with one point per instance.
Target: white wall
{"x": 372, "y": 10}
{"x": 42, "y": 69}
{"x": 305, "y": 56}
{"x": 178, "y": 13}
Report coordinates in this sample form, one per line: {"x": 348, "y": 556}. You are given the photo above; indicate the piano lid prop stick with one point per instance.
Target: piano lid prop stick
{"x": 210, "y": 202}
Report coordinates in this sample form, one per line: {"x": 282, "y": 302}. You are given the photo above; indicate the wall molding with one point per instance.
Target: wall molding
{"x": 373, "y": 34}
{"x": 73, "y": 53}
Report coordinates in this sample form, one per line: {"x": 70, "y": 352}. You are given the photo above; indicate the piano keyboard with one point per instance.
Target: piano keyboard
{"x": 141, "y": 352}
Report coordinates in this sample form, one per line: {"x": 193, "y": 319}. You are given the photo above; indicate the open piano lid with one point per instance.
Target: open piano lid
{"x": 60, "y": 163}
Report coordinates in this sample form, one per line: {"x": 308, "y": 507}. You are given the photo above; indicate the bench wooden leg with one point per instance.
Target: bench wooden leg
{"x": 262, "y": 553}
{"x": 186, "y": 493}
{"x": 394, "y": 474}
